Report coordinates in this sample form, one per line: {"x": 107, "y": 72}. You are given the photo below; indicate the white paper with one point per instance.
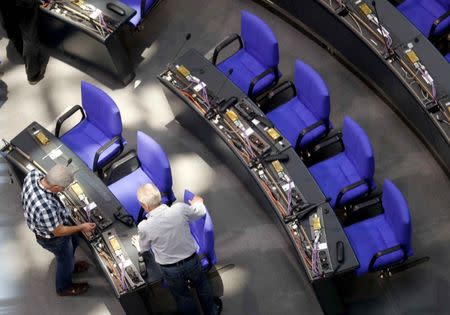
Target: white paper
{"x": 248, "y": 131}
{"x": 286, "y": 186}
{"x": 55, "y": 154}
{"x": 323, "y": 246}
{"x": 90, "y": 206}
{"x": 199, "y": 87}
{"x": 94, "y": 15}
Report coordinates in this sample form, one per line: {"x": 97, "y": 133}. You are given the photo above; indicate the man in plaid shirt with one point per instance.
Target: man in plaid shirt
{"x": 47, "y": 218}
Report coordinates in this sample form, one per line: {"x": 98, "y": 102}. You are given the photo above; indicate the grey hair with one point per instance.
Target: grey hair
{"x": 149, "y": 195}
{"x": 59, "y": 175}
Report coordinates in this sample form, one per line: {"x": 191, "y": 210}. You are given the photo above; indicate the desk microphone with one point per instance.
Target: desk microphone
{"x": 229, "y": 72}
{"x": 186, "y": 39}
{"x": 388, "y": 50}
{"x": 68, "y": 162}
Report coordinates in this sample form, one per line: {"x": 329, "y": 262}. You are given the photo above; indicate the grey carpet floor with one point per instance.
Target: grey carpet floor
{"x": 263, "y": 275}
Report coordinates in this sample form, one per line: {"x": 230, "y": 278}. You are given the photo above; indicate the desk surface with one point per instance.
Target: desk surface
{"x": 94, "y": 188}
{"x": 217, "y": 82}
{"x": 102, "y": 5}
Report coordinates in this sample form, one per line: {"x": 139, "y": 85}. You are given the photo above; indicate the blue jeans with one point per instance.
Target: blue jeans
{"x": 177, "y": 279}
{"x": 63, "y": 248}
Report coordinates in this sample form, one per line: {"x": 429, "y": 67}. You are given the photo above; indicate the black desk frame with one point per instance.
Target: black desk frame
{"x": 75, "y": 41}
{"x": 204, "y": 130}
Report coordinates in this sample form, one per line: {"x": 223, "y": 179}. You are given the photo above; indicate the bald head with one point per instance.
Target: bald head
{"x": 59, "y": 175}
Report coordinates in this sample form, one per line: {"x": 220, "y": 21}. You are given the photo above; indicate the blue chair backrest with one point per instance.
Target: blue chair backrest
{"x": 397, "y": 214}
{"x": 312, "y": 90}
{"x": 154, "y": 162}
{"x": 101, "y": 110}
{"x": 358, "y": 148}
{"x": 259, "y": 40}
{"x": 445, "y": 4}
{"x": 203, "y": 232}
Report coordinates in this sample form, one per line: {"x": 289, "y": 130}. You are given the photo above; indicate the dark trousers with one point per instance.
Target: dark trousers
{"x": 64, "y": 249}
{"x": 177, "y": 278}
{"x": 20, "y": 20}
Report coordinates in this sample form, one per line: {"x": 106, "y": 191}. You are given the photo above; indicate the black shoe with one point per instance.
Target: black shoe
{"x": 218, "y": 303}
{"x": 34, "y": 80}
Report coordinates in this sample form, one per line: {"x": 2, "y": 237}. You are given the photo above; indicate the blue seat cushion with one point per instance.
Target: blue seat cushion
{"x": 125, "y": 191}
{"x": 335, "y": 173}
{"x": 85, "y": 139}
{"x": 245, "y": 69}
{"x": 422, "y": 13}
{"x": 136, "y": 4}
{"x": 291, "y": 118}
{"x": 369, "y": 237}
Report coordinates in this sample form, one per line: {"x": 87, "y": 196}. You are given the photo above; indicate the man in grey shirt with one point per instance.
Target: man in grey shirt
{"x": 166, "y": 231}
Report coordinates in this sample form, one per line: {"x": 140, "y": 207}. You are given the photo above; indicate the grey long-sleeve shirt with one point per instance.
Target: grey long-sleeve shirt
{"x": 166, "y": 231}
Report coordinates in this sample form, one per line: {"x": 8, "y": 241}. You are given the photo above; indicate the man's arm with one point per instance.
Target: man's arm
{"x": 196, "y": 210}
{"x": 53, "y": 222}
{"x": 145, "y": 242}
{"x": 64, "y": 230}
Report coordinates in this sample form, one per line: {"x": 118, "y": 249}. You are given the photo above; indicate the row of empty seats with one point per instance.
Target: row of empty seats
{"x": 97, "y": 140}
{"x": 304, "y": 121}
{"x": 432, "y": 19}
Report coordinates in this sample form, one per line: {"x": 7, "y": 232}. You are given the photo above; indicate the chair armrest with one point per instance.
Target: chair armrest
{"x": 328, "y": 142}
{"x": 259, "y": 77}
{"x": 227, "y": 41}
{"x": 166, "y": 194}
{"x": 128, "y": 157}
{"x": 386, "y": 252}
{"x": 66, "y": 116}
{"x": 281, "y": 88}
{"x": 308, "y": 129}
{"x": 103, "y": 149}
{"x": 350, "y": 187}
{"x": 142, "y": 9}
{"x": 436, "y": 24}
{"x": 366, "y": 204}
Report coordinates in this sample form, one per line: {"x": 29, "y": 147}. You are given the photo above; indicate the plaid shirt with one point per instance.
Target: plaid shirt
{"x": 42, "y": 209}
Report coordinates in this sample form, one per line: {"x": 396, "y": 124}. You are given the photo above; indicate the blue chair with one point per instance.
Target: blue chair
{"x": 384, "y": 240}
{"x": 97, "y": 138}
{"x": 348, "y": 175}
{"x": 203, "y": 232}
{"x": 142, "y": 8}
{"x": 431, "y": 17}
{"x": 255, "y": 64}
{"x": 153, "y": 167}
{"x": 447, "y": 57}
{"x": 306, "y": 117}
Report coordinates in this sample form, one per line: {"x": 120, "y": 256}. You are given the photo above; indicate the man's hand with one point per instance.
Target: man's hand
{"x": 196, "y": 199}
{"x": 87, "y": 227}
{"x": 135, "y": 242}
{"x": 64, "y": 230}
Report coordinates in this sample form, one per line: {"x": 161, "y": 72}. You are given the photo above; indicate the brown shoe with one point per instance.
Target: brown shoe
{"x": 81, "y": 266}
{"x": 75, "y": 289}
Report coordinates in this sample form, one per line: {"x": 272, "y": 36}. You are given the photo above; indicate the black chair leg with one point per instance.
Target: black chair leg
{"x": 388, "y": 272}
